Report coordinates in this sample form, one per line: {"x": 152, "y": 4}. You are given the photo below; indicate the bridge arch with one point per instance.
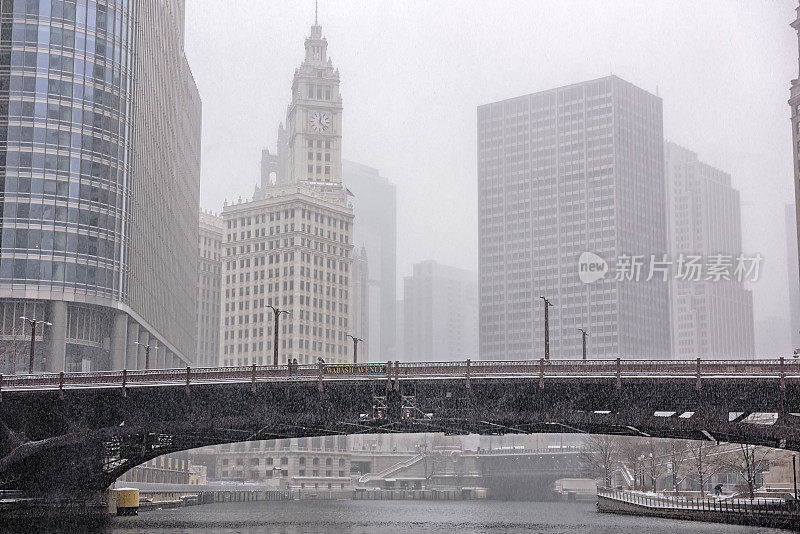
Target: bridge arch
{"x": 86, "y": 437}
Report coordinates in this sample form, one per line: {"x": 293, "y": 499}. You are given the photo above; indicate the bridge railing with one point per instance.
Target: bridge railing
{"x": 580, "y": 369}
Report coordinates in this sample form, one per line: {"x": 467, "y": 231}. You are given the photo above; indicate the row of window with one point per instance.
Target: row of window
{"x": 70, "y": 213}
{"x": 319, "y": 92}
{"x": 59, "y": 241}
{"x": 317, "y": 346}
{"x": 92, "y": 15}
{"x": 34, "y": 271}
{"x": 320, "y": 303}
{"x": 64, "y": 40}
{"x": 305, "y": 214}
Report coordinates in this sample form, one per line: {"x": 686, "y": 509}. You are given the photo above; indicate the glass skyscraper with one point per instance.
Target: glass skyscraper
{"x": 99, "y": 174}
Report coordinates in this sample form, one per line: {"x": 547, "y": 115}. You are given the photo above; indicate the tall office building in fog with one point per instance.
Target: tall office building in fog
{"x": 291, "y": 246}
{"x": 375, "y": 228}
{"x": 562, "y": 172}
{"x": 440, "y": 313}
{"x": 100, "y": 174}
{"x": 209, "y": 282}
{"x": 710, "y": 319}
{"x": 360, "y": 302}
{"x": 794, "y": 105}
{"x": 793, "y": 282}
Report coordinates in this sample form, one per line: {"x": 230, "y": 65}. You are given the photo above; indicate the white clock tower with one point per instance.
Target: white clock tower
{"x": 314, "y": 119}
{"x": 290, "y": 248}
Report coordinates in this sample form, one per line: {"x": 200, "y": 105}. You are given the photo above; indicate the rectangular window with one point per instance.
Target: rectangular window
{"x": 311, "y": 90}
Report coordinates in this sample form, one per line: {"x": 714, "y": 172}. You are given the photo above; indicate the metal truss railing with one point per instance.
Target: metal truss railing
{"x": 780, "y": 369}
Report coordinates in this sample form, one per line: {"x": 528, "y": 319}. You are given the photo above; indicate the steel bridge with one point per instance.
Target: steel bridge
{"x": 81, "y": 431}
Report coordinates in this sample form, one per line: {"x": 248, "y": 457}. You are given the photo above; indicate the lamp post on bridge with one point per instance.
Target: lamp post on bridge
{"x": 355, "y": 347}
{"x": 33, "y": 323}
{"x": 277, "y": 313}
{"x": 547, "y": 305}
{"x": 146, "y": 353}
{"x": 584, "y": 334}
{"x": 794, "y": 474}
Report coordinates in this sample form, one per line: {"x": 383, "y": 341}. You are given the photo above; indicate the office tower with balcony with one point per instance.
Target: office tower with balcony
{"x": 99, "y": 174}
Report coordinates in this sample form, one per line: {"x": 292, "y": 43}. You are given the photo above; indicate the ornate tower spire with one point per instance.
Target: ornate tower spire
{"x": 796, "y": 26}
{"x": 316, "y": 45}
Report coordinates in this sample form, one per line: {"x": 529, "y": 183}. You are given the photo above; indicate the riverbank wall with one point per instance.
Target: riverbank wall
{"x": 773, "y": 513}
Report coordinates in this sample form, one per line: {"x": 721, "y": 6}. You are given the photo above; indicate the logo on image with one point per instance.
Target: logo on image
{"x": 591, "y": 267}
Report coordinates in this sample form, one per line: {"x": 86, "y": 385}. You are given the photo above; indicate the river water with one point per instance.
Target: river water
{"x": 405, "y": 517}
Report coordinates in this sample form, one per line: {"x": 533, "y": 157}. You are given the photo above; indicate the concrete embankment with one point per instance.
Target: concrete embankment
{"x": 465, "y": 494}
{"x": 774, "y": 513}
{"x": 52, "y": 510}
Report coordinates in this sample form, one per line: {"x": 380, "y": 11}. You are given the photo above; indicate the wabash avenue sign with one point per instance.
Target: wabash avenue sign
{"x": 355, "y": 369}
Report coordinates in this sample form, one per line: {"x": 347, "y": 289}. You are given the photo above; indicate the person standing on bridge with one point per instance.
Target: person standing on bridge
{"x": 295, "y": 365}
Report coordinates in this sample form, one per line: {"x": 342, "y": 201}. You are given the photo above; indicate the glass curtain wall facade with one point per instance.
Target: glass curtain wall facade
{"x": 73, "y": 178}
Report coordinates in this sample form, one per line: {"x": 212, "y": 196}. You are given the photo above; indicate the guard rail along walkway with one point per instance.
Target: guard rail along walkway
{"x": 618, "y": 370}
{"x": 770, "y": 512}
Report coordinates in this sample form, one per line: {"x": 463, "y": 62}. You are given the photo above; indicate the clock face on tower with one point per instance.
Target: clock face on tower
{"x": 320, "y": 122}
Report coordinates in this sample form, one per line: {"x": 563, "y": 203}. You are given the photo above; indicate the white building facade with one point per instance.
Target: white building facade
{"x": 209, "y": 282}
{"x": 291, "y": 246}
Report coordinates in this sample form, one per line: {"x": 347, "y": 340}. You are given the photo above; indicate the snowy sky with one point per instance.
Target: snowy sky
{"x": 413, "y": 73}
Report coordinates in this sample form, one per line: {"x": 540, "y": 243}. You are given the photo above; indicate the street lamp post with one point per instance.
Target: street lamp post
{"x": 794, "y": 473}
{"x": 355, "y": 347}
{"x": 146, "y": 353}
{"x": 653, "y": 471}
{"x": 584, "y": 334}
{"x": 33, "y": 323}
{"x": 547, "y": 305}
{"x": 277, "y": 313}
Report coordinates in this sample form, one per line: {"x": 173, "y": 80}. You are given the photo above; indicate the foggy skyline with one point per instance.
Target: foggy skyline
{"x": 413, "y": 75}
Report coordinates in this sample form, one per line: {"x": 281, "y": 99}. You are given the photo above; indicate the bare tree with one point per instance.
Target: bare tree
{"x": 680, "y": 469}
{"x": 657, "y": 455}
{"x": 750, "y": 462}
{"x": 704, "y": 466}
{"x": 599, "y": 456}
